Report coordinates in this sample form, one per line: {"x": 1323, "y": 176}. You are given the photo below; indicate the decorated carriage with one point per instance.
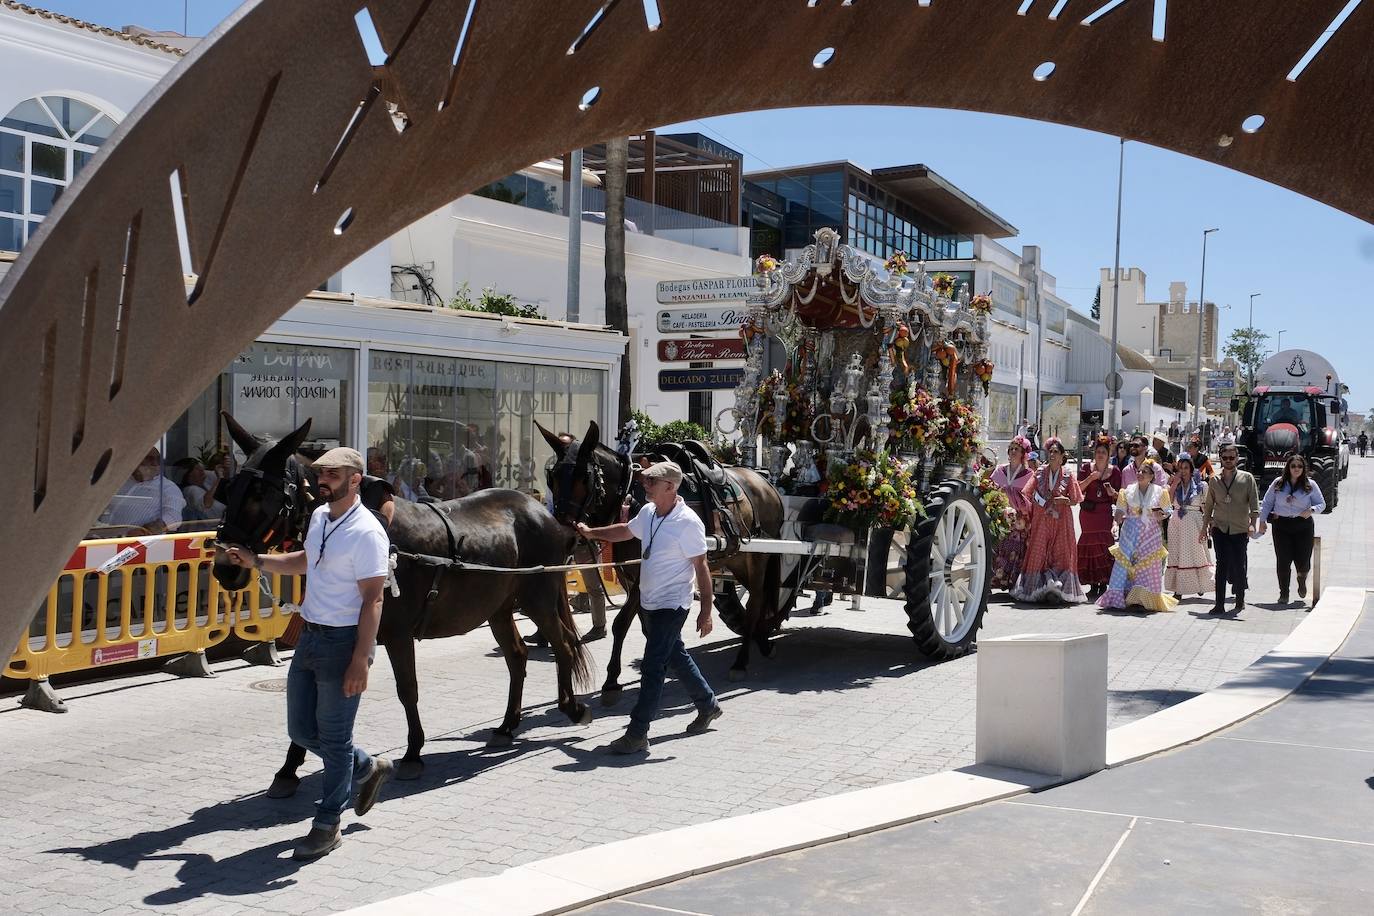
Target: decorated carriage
{"x": 861, "y": 401}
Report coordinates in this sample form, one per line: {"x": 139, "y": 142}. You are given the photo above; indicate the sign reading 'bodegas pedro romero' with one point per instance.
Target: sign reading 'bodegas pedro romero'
{"x": 699, "y": 349}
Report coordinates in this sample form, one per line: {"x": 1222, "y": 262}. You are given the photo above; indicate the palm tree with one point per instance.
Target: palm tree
{"x": 617, "y": 306}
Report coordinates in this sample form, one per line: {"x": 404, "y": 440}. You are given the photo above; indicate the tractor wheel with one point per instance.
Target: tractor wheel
{"x": 948, "y": 572}
{"x": 1324, "y": 475}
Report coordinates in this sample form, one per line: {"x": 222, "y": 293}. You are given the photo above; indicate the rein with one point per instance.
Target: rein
{"x": 273, "y": 528}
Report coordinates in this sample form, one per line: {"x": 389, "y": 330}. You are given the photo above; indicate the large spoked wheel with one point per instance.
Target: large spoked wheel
{"x": 948, "y": 572}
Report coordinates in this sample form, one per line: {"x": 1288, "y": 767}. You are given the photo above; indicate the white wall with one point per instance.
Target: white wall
{"x": 1136, "y": 327}
{"x": 42, "y": 57}
{"x": 523, "y": 252}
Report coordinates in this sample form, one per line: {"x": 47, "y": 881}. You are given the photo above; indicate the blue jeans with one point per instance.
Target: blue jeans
{"x": 320, "y": 718}
{"x": 662, "y": 650}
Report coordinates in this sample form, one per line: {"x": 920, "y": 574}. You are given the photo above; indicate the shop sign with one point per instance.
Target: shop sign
{"x": 709, "y": 318}
{"x": 700, "y": 350}
{"x": 698, "y": 379}
{"x": 710, "y": 289}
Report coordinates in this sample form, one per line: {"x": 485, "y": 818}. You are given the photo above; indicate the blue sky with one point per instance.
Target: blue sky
{"x": 1057, "y": 185}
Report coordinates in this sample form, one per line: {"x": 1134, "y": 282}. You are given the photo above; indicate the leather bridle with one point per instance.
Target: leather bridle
{"x": 274, "y": 526}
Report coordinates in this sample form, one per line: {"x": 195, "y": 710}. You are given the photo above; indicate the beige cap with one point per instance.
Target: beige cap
{"x": 663, "y": 470}
{"x": 341, "y": 458}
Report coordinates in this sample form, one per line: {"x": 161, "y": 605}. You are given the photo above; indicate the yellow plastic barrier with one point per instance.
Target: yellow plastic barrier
{"x": 157, "y": 597}
{"x": 577, "y": 578}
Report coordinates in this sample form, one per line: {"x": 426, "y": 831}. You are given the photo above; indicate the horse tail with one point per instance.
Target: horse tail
{"x": 581, "y": 658}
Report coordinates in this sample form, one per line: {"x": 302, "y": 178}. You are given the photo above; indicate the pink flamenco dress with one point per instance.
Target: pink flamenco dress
{"x": 1050, "y": 572}
{"x": 1138, "y": 577}
{"x": 1010, "y": 553}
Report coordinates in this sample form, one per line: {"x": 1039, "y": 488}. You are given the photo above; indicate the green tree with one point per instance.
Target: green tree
{"x": 1097, "y": 303}
{"x": 1248, "y": 347}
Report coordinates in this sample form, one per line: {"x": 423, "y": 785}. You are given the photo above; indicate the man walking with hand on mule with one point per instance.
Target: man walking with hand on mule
{"x": 345, "y": 560}
{"x": 674, "y": 557}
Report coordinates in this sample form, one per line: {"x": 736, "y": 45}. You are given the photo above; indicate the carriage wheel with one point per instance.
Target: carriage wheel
{"x": 948, "y": 572}
{"x": 732, "y": 599}
{"x": 885, "y": 574}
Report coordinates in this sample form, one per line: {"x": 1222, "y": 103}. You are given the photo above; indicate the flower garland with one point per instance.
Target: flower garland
{"x": 875, "y": 490}
{"x": 1002, "y": 517}
{"x": 959, "y": 441}
{"x": 796, "y": 426}
{"x": 916, "y": 418}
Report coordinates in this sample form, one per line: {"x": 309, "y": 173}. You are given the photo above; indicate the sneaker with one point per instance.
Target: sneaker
{"x": 629, "y": 744}
{"x": 318, "y": 842}
{"x": 367, "y": 792}
{"x": 703, "y": 720}
{"x": 594, "y": 634}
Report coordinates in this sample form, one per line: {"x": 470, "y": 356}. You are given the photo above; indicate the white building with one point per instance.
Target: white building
{"x": 426, "y": 391}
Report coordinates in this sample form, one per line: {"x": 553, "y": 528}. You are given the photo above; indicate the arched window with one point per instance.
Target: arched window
{"x": 44, "y": 142}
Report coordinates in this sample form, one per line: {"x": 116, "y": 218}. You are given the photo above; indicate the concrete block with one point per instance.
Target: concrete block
{"x": 1042, "y": 703}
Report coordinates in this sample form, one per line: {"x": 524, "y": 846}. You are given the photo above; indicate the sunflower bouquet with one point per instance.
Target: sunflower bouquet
{"x": 796, "y": 425}
{"x": 916, "y": 418}
{"x": 959, "y": 439}
{"x": 875, "y": 490}
{"x": 1001, "y": 516}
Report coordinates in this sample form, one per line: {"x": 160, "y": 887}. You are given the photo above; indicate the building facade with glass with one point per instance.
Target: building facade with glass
{"x": 908, "y": 209}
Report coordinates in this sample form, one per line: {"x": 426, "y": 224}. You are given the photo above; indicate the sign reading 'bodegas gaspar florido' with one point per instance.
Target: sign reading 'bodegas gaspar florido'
{"x": 708, "y": 289}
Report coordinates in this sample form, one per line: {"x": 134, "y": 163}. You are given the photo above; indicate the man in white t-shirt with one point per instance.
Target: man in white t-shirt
{"x": 147, "y": 499}
{"x": 674, "y": 555}
{"x": 345, "y": 563}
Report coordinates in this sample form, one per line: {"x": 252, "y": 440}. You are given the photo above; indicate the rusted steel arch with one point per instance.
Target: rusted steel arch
{"x": 294, "y": 156}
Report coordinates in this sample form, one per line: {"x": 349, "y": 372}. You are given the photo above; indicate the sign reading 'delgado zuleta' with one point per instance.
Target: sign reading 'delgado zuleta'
{"x": 709, "y": 289}
{"x": 698, "y": 379}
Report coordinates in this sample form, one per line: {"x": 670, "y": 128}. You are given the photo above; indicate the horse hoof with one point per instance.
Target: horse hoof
{"x": 585, "y": 718}
{"x": 611, "y": 695}
{"x": 500, "y": 739}
{"x": 283, "y": 786}
{"x": 736, "y": 675}
{"x": 409, "y": 768}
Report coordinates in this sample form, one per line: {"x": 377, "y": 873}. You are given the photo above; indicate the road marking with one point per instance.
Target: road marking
{"x": 662, "y": 909}
{"x": 1320, "y": 747}
{"x": 1175, "y": 820}
{"x": 1103, "y": 870}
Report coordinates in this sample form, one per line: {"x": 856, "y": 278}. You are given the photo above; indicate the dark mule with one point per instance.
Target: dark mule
{"x": 267, "y": 504}
{"x": 588, "y": 482}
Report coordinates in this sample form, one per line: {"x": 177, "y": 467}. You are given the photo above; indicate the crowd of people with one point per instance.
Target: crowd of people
{"x": 1152, "y": 526}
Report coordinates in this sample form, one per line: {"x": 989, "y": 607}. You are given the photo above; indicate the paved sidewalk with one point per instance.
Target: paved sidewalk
{"x": 1275, "y": 815}
{"x": 146, "y": 797}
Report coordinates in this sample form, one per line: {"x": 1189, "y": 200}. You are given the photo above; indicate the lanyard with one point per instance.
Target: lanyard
{"x": 324, "y": 535}
{"x": 1234, "y": 477}
{"x": 653, "y": 531}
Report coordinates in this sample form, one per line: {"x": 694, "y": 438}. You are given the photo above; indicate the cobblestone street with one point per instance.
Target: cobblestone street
{"x": 147, "y": 796}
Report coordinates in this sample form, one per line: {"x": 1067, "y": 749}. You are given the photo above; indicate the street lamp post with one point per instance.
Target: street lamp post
{"x": 1201, "y": 319}
{"x": 1250, "y": 370}
{"x": 1279, "y": 345}
{"x": 1114, "y": 379}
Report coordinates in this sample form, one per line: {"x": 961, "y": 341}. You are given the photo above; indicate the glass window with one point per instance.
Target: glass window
{"x": 42, "y": 142}
{"x": 71, "y": 115}
{"x": 827, "y": 196}
{"x": 42, "y": 196}
{"x": 274, "y": 388}
{"x": 11, "y": 151}
{"x": 11, "y": 194}
{"x": 447, "y": 426}
{"x": 11, "y": 234}
{"x": 79, "y": 159}
{"x": 31, "y": 117}
{"x": 49, "y": 161}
